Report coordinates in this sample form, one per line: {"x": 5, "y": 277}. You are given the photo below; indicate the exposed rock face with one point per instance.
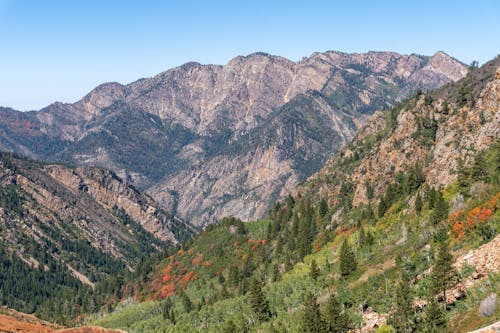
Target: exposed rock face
{"x": 434, "y": 131}
{"x": 64, "y": 211}
{"x": 211, "y": 140}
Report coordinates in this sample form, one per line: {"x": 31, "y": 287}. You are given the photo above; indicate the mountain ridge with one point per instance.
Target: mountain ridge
{"x": 153, "y": 130}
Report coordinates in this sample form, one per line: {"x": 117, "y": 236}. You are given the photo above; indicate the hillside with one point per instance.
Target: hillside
{"x": 208, "y": 141}
{"x": 64, "y": 229}
{"x": 398, "y": 232}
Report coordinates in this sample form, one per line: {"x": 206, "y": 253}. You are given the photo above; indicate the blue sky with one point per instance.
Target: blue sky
{"x": 59, "y": 50}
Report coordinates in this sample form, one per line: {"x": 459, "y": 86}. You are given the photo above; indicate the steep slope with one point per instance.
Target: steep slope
{"x": 416, "y": 248}
{"x": 189, "y": 127}
{"x": 63, "y": 228}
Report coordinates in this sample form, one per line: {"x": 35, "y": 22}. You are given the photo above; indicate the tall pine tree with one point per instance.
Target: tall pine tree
{"x": 335, "y": 317}
{"x": 311, "y": 320}
{"x": 403, "y": 315}
{"x": 347, "y": 260}
{"x": 258, "y": 301}
{"x": 444, "y": 275}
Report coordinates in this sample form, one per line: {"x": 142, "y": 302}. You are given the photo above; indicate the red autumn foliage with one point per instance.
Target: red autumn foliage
{"x": 166, "y": 278}
{"x": 167, "y": 290}
{"x": 198, "y": 260}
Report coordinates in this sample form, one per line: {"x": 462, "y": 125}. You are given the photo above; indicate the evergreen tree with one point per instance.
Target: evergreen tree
{"x": 312, "y": 321}
{"x": 434, "y": 320}
{"x": 335, "y": 317}
{"x": 323, "y": 207}
{"x": 402, "y": 317}
{"x": 415, "y": 178}
{"x": 347, "y": 260}
{"x": 431, "y": 198}
{"x": 186, "y": 302}
{"x": 480, "y": 169}
{"x": 314, "y": 272}
{"x": 440, "y": 212}
{"x": 166, "y": 307}
{"x": 418, "y": 204}
{"x": 444, "y": 275}
{"x": 258, "y": 302}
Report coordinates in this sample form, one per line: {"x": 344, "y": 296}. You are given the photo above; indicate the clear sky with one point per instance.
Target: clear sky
{"x": 59, "y": 50}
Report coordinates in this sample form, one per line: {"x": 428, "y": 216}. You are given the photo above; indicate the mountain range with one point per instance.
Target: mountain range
{"x": 207, "y": 141}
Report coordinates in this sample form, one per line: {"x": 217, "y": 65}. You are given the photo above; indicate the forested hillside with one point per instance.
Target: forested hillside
{"x": 399, "y": 232}
{"x": 65, "y": 231}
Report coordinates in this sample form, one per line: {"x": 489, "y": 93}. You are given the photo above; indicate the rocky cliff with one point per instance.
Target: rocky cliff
{"x": 440, "y": 132}
{"x": 79, "y": 216}
{"x": 208, "y": 141}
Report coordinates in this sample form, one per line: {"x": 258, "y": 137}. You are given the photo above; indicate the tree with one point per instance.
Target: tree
{"x": 314, "y": 272}
{"x": 323, "y": 207}
{"x": 186, "y": 302}
{"x": 312, "y": 321}
{"x": 440, "y": 209}
{"x": 402, "y": 317}
{"x": 347, "y": 259}
{"x": 434, "y": 320}
{"x": 480, "y": 169}
{"x": 166, "y": 308}
{"x": 444, "y": 275}
{"x": 415, "y": 178}
{"x": 335, "y": 317}
{"x": 258, "y": 302}
{"x": 418, "y": 204}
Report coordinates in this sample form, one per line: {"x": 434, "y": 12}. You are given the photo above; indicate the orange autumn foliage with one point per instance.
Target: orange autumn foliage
{"x": 198, "y": 260}
{"x": 167, "y": 290}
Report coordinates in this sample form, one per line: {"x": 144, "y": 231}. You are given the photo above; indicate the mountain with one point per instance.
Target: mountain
{"x": 63, "y": 229}
{"x": 398, "y": 232}
{"x": 208, "y": 141}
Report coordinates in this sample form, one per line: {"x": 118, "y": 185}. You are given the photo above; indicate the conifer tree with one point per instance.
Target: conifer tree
{"x": 335, "y": 317}
{"x": 314, "y": 272}
{"x": 444, "y": 275}
{"x": 347, "y": 260}
{"x": 418, "y": 204}
{"x": 312, "y": 321}
{"x": 258, "y": 301}
{"x": 323, "y": 207}
{"x": 434, "y": 320}
{"x": 402, "y": 317}
{"x": 440, "y": 209}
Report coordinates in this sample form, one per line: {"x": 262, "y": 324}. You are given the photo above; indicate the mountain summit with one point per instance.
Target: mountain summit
{"x": 208, "y": 140}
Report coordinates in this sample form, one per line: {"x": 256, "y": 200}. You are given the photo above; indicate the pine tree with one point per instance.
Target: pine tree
{"x": 312, "y": 321}
{"x": 258, "y": 301}
{"x": 431, "y": 198}
{"x": 347, "y": 259}
{"x": 440, "y": 209}
{"x": 314, "y": 272}
{"x": 335, "y": 317}
{"x": 402, "y": 317}
{"x": 479, "y": 169}
{"x": 444, "y": 275}
{"x": 434, "y": 320}
{"x": 418, "y": 204}
{"x": 323, "y": 207}
{"x": 186, "y": 302}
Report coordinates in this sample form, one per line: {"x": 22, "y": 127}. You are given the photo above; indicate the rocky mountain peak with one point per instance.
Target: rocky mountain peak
{"x": 240, "y": 132}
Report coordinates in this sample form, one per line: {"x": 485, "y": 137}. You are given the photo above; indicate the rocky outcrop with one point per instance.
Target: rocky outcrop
{"x": 210, "y": 140}
{"x": 436, "y": 131}
{"x": 75, "y": 214}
